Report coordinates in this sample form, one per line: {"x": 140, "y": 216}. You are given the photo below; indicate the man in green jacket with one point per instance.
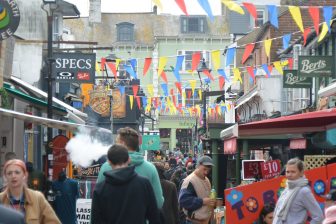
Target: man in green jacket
{"x": 130, "y": 138}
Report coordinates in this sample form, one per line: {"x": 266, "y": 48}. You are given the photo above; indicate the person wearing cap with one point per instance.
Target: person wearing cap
{"x": 330, "y": 215}
{"x": 194, "y": 195}
{"x": 330, "y": 199}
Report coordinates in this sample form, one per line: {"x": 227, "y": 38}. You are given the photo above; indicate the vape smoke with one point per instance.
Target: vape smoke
{"x": 89, "y": 145}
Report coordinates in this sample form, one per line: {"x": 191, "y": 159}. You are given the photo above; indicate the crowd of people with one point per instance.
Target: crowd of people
{"x": 130, "y": 189}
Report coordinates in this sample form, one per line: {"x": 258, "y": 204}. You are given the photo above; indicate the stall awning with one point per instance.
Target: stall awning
{"x": 299, "y": 123}
{"x": 230, "y": 146}
{"x": 244, "y": 99}
{"x": 330, "y": 90}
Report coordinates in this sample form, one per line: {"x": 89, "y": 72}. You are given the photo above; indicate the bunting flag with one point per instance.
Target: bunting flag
{"x": 192, "y": 85}
{"x": 182, "y": 6}
{"x": 158, "y": 4}
{"x": 267, "y": 45}
{"x": 221, "y": 82}
{"x": 162, "y": 64}
{"x": 138, "y": 101}
{"x": 265, "y": 67}
{"x": 200, "y": 94}
{"x": 164, "y": 87}
{"x": 296, "y": 14}
{"x": 206, "y": 6}
{"x": 305, "y": 35}
{"x": 117, "y": 62}
{"x": 315, "y": 15}
{"x": 178, "y": 66}
{"x": 327, "y": 14}
{"x": 233, "y": 6}
{"x": 251, "y": 9}
{"x": 273, "y": 15}
{"x": 324, "y": 31}
{"x": 230, "y": 55}
{"x": 144, "y": 102}
{"x": 215, "y": 56}
{"x": 164, "y": 77}
{"x": 285, "y": 40}
{"x": 147, "y": 64}
{"x": 131, "y": 98}
{"x": 150, "y": 89}
{"x": 196, "y": 58}
{"x": 133, "y": 63}
{"x": 102, "y": 64}
{"x": 221, "y": 72}
{"x": 278, "y": 67}
{"x": 121, "y": 90}
{"x": 97, "y": 68}
{"x": 130, "y": 71}
{"x": 135, "y": 90}
{"x": 237, "y": 76}
{"x": 113, "y": 69}
{"x": 208, "y": 74}
{"x": 179, "y": 87}
{"x": 189, "y": 95}
{"x": 290, "y": 63}
{"x": 250, "y": 70}
{"x": 248, "y": 50}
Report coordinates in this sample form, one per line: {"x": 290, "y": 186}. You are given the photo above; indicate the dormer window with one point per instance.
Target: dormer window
{"x": 125, "y": 31}
{"x": 193, "y": 24}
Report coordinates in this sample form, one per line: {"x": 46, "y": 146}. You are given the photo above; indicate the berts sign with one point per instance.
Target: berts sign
{"x": 315, "y": 66}
{"x": 74, "y": 67}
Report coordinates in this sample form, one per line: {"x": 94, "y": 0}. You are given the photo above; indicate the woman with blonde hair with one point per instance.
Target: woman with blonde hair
{"x": 32, "y": 204}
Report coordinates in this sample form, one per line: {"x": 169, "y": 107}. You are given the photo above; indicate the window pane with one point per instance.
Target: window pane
{"x": 260, "y": 18}
{"x": 125, "y": 32}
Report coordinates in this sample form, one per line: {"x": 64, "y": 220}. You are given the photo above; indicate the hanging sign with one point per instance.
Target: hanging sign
{"x": 251, "y": 169}
{"x": 150, "y": 142}
{"x": 315, "y": 66}
{"x": 291, "y": 79}
{"x": 9, "y": 18}
{"x": 270, "y": 169}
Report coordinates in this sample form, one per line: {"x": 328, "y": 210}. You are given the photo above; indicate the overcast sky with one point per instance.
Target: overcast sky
{"x": 169, "y": 6}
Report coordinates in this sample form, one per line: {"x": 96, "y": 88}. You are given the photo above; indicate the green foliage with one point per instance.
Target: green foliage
{"x": 4, "y": 98}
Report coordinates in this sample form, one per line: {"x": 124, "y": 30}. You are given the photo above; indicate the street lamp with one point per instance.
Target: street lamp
{"x": 205, "y": 90}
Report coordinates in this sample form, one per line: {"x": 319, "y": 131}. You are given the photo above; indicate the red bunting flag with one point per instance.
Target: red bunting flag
{"x": 251, "y": 9}
{"x": 248, "y": 50}
{"x": 138, "y": 102}
{"x": 315, "y": 15}
{"x": 270, "y": 68}
{"x": 196, "y": 58}
{"x": 207, "y": 73}
{"x": 164, "y": 77}
{"x": 179, "y": 87}
{"x": 250, "y": 70}
{"x": 135, "y": 90}
{"x": 290, "y": 63}
{"x": 305, "y": 35}
{"x": 113, "y": 68}
{"x": 189, "y": 94}
{"x": 102, "y": 64}
{"x": 148, "y": 62}
{"x": 174, "y": 100}
{"x": 182, "y": 6}
{"x": 221, "y": 82}
{"x": 155, "y": 102}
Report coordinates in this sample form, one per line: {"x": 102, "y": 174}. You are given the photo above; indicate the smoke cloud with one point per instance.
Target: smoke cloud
{"x": 89, "y": 145}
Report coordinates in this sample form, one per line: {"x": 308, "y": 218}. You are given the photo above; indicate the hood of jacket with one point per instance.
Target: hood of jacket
{"x": 136, "y": 158}
{"x": 120, "y": 175}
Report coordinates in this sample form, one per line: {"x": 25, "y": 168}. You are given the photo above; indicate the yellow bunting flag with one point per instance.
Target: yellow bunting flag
{"x": 200, "y": 94}
{"x": 97, "y": 67}
{"x": 162, "y": 64}
{"x": 117, "y": 63}
{"x": 278, "y": 67}
{"x": 158, "y": 3}
{"x": 131, "y": 98}
{"x": 233, "y": 6}
{"x": 215, "y": 56}
{"x": 198, "y": 108}
{"x": 237, "y": 76}
{"x": 192, "y": 85}
{"x": 323, "y": 32}
{"x": 150, "y": 89}
{"x": 228, "y": 106}
{"x": 284, "y": 63}
{"x": 184, "y": 95}
{"x": 267, "y": 45}
{"x": 296, "y": 14}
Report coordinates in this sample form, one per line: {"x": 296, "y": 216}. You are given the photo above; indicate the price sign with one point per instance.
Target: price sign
{"x": 270, "y": 169}
{"x": 251, "y": 169}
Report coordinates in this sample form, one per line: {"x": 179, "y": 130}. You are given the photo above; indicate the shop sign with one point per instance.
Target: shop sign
{"x": 291, "y": 79}
{"x": 315, "y": 66}
{"x": 270, "y": 169}
{"x": 91, "y": 171}
{"x": 150, "y": 142}
{"x": 74, "y": 67}
{"x": 251, "y": 169}
{"x": 9, "y": 18}
{"x": 83, "y": 210}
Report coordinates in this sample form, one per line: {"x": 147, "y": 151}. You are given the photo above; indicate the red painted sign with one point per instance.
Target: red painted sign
{"x": 60, "y": 155}
{"x": 270, "y": 169}
{"x": 251, "y": 169}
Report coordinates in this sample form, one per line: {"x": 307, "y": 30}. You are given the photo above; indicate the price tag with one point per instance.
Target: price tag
{"x": 270, "y": 169}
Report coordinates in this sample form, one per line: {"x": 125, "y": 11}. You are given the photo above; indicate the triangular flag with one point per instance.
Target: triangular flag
{"x": 221, "y": 72}
{"x": 158, "y": 4}
{"x": 230, "y": 55}
{"x": 192, "y": 85}
{"x": 267, "y": 45}
{"x": 233, "y": 6}
{"x": 207, "y": 73}
{"x": 179, "y": 62}
{"x": 102, "y": 64}
{"x": 164, "y": 77}
{"x": 138, "y": 102}
{"x": 270, "y": 69}
{"x": 221, "y": 82}
{"x": 179, "y": 87}
{"x": 215, "y": 56}
{"x": 251, "y": 9}
{"x": 97, "y": 67}
{"x": 130, "y": 71}
{"x": 135, "y": 90}
{"x": 290, "y": 63}
{"x": 248, "y": 50}
{"x": 278, "y": 67}
{"x": 133, "y": 63}
{"x": 150, "y": 89}
{"x": 117, "y": 62}
{"x": 182, "y": 6}
{"x": 273, "y": 15}
{"x": 144, "y": 101}
{"x": 250, "y": 70}
{"x": 164, "y": 87}
{"x": 121, "y": 89}
{"x": 131, "y": 99}
{"x": 324, "y": 32}
{"x": 305, "y": 35}
{"x": 315, "y": 15}
{"x": 296, "y": 14}
{"x": 147, "y": 64}
{"x": 196, "y": 58}
{"x": 189, "y": 95}
{"x": 206, "y": 6}
{"x": 327, "y": 14}
{"x": 237, "y": 76}
{"x": 265, "y": 67}
{"x": 112, "y": 68}
{"x": 200, "y": 94}
{"x": 285, "y": 40}
{"x": 162, "y": 64}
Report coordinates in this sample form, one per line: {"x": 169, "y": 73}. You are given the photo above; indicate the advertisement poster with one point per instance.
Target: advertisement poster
{"x": 150, "y": 142}
{"x": 83, "y": 210}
